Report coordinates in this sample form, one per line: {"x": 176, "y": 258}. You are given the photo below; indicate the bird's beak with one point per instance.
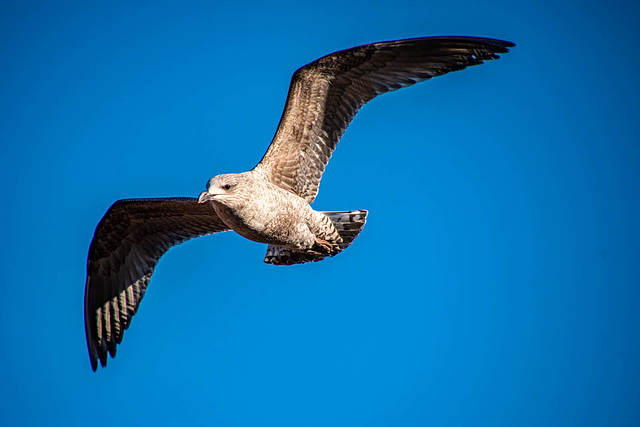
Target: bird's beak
{"x": 205, "y": 197}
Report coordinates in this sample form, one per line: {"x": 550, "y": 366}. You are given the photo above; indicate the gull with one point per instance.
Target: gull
{"x": 272, "y": 202}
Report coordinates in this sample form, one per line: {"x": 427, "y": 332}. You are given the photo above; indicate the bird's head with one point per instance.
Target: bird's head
{"x": 224, "y": 188}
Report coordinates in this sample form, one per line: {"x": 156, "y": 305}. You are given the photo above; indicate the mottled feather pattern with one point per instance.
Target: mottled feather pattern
{"x": 347, "y": 224}
{"x": 326, "y": 94}
{"x": 125, "y": 249}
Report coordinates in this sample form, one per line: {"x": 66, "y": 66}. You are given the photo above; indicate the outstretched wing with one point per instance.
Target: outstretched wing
{"x": 126, "y": 246}
{"x": 326, "y": 94}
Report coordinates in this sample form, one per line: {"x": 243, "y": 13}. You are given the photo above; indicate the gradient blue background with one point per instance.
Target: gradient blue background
{"x": 496, "y": 282}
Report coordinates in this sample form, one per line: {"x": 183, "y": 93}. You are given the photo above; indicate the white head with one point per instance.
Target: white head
{"x": 227, "y": 189}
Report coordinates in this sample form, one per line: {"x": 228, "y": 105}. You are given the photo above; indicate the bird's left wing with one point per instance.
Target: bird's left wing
{"x": 126, "y": 246}
{"x": 326, "y": 94}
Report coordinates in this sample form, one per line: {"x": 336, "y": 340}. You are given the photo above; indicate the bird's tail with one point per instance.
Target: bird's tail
{"x": 348, "y": 224}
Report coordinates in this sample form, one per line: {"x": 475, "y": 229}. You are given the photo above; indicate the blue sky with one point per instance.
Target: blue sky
{"x": 497, "y": 279}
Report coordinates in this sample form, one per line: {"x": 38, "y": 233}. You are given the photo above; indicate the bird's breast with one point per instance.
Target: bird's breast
{"x": 251, "y": 221}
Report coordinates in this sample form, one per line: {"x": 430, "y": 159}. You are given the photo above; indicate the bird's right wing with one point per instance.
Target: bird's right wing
{"x": 326, "y": 94}
{"x": 126, "y": 246}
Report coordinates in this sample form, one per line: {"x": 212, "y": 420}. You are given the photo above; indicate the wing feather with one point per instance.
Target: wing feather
{"x": 126, "y": 246}
{"x": 326, "y": 94}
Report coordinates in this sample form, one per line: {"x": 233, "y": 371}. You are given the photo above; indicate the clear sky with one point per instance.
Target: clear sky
{"x": 496, "y": 283}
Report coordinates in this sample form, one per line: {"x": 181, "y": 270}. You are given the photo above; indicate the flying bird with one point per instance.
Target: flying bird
{"x": 270, "y": 203}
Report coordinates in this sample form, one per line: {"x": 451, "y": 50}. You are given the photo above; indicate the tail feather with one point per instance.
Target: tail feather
{"x": 348, "y": 225}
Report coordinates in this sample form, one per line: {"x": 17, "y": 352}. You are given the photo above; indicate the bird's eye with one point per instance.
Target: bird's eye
{"x": 226, "y": 186}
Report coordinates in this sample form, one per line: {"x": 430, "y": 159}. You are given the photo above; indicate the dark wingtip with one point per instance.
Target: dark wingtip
{"x": 505, "y": 45}
{"x": 499, "y": 42}
{"x": 499, "y": 46}
{"x": 112, "y": 349}
{"x": 103, "y": 359}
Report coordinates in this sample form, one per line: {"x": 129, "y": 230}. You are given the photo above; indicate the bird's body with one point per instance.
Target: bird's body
{"x": 270, "y": 203}
{"x": 264, "y": 212}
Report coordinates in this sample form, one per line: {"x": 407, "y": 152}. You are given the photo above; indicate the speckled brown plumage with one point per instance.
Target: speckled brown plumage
{"x": 127, "y": 244}
{"x": 326, "y": 94}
